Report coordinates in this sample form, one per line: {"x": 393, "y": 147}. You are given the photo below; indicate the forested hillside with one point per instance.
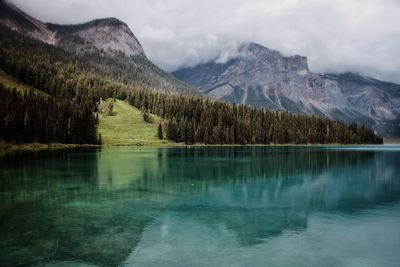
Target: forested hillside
{"x": 198, "y": 120}
{"x": 75, "y": 83}
{"x": 107, "y": 43}
{"x": 30, "y": 117}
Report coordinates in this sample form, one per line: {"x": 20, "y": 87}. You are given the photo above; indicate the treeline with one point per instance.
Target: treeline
{"x": 33, "y": 117}
{"x": 75, "y": 85}
{"x": 196, "y": 120}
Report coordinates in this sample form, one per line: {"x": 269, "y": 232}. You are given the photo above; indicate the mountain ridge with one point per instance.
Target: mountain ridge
{"x": 106, "y": 34}
{"x": 264, "y": 78}
{"x": 77, "y": 74}
{"x": 108, "y": 42}
{"x": 17, "y": 20}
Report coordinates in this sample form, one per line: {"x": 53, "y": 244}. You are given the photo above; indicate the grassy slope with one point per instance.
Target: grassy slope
{"x": 126, "y": 127}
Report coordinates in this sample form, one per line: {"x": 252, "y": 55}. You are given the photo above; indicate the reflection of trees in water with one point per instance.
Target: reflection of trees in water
{"x": 91, "y": 206}
{"x": 261, "y": 192}
{"x": 52, "y": 208}
{"x": 215, "y": 165}
{"x": 329, "y": 181}
{"x": 65, "y": 167}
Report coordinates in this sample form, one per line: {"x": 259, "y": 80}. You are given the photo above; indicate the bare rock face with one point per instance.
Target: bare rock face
{"x": 108, "y": 42}
{"x": 264, "y": 78}
{"x": 109, "y": 35}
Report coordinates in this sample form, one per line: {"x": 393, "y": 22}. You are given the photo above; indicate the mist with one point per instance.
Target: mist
{"x": 361, "y": 36}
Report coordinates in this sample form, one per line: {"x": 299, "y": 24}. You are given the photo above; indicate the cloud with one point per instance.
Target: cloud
{"x": 341, "y": 35}
{"x": 226, "y": 55}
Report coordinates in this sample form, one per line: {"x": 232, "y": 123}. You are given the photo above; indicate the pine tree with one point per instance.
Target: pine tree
{"x": 160, "y": 131}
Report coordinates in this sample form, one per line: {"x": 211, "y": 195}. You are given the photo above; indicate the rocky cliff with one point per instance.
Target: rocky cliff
{"x": 107, "y": 42}
{"x": 264, "y": 78}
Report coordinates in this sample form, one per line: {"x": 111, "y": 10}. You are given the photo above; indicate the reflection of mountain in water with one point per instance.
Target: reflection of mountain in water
{"x": 92, "y": 205}
{"x": 260, "y": 208}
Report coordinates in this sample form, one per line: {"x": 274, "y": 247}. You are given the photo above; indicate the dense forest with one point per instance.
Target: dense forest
{"x": 74, "y": 84}
{"x": 33, "y": 117}
{"x": 199, "y": 120}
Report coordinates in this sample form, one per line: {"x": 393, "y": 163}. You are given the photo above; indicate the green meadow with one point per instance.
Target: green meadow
{"x": 126, "y": 127}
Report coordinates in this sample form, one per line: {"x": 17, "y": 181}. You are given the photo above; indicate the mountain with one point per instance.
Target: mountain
{"x": 264, "y": 78}
{"x": 17, "y": 20}
{"x": 108, "y": 43}
{"x": 109, "y": 35}
{"x": 53, "y": 79}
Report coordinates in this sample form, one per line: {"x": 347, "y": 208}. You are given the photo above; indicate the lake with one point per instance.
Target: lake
{"x": 202, "y": 206}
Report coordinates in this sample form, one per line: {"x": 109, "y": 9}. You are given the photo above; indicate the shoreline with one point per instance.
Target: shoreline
{"x": 39, "y": 146}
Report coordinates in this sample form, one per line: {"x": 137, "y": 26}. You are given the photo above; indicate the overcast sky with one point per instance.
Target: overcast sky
{"x": 337, "y": 35}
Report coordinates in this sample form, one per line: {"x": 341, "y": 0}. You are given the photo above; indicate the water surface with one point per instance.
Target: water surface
{"x": 206, "y": 206}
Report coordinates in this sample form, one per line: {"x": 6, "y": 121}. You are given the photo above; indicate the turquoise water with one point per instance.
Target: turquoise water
{"x": 207, "y": 206}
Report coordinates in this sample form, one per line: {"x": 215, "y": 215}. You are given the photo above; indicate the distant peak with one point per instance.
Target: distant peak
{"x": 243, "y": 50}
{"x": 106, "y": 22}
{"x": 254, "y": 47}
{"x": 251, "y": 46}
{"x": 255, "y": 51}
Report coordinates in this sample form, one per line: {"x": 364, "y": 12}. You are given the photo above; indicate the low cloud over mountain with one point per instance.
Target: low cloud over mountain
{"x": 337, "y": 36}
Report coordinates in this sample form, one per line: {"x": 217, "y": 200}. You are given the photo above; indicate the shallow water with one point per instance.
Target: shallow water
{"x": 206, "y": 206}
